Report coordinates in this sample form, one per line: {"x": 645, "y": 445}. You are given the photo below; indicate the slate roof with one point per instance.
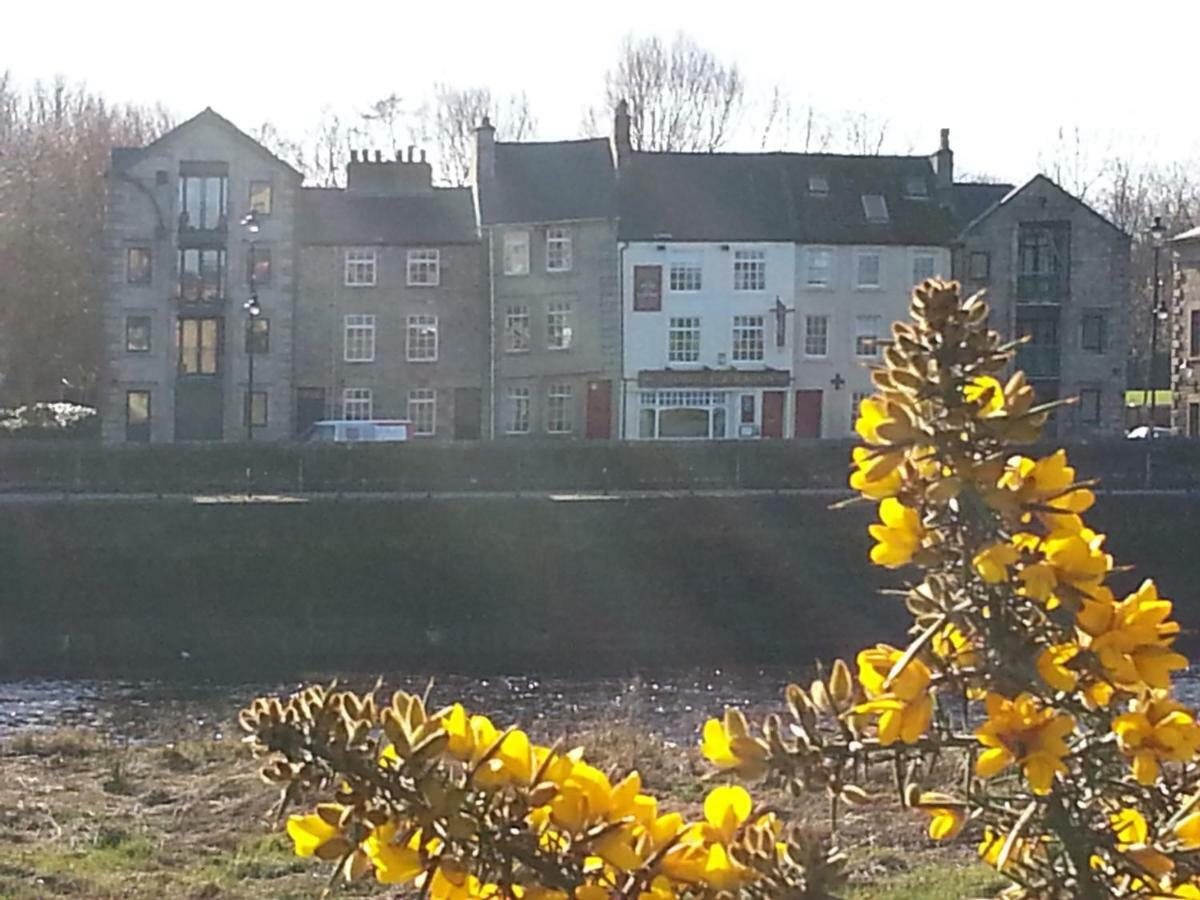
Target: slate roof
{"x": 550, "y": 182}
{"x": 766, "y": 197}
{"x": 124, "y": 157}
{"x": 968, "y": 201}
{"x": 1043, "y": 179}
{"x": 337, "y": 216}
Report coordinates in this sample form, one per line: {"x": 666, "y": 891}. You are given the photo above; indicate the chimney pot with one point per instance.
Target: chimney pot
{"x": 353, "y": 156}
{"x": 412, "y": 153}
{"x": 422, "y": 155}
{"x": 945, "y": 138}
{"x": 378, "y": 156}
{"x": 399, "y": 156}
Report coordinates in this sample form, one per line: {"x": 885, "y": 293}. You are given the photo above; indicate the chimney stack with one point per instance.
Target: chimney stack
{"x": 379, "y": 156}
{"x": 484, "y": 168}
{"x": 353, "y": 156}
{"x": 943, "y": 161}
{"x": 622, "y": 135}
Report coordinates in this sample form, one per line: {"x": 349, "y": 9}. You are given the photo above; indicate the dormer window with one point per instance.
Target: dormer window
{"x": 916, "y": 188}
{"x": 875, "y": 208}
{"x": 818, "y": 185}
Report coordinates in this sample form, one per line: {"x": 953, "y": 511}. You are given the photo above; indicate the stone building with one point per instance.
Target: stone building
{"x": 175, "y": 332}
{"x": 548, "y": 217}
{"x": 1183, "y": 337}
{"x": 391, "y": 318}
{"x": 1057, "y": 272}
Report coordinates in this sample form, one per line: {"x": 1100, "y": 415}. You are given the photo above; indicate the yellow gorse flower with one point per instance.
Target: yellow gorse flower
{"x": 1023, "y": 732}
{"x": 899, "y": 535}
{"x": 904, "y": 705}
{"x": 1154, "y": 731}
{"x": 1132, "y": 639}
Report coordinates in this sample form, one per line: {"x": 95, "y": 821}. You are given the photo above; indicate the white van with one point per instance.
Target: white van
{"x": 349, "y": 431}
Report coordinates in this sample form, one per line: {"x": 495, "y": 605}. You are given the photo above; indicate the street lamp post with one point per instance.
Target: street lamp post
{"x": 253, "y": 310}
{"x": 1158, "y": 313}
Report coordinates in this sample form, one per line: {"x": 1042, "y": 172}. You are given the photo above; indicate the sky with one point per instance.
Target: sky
{"x": 1005, "y": 77}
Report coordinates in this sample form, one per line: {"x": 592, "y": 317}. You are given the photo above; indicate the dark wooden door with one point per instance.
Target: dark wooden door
{"x": 808, "y": 414}
{"x": 199, "y": 409}
{"x": 599, "y": 410}
{"x": 310, "y": 407}
{"x": 772, "y": 414}
{"x": 468, "y": 411}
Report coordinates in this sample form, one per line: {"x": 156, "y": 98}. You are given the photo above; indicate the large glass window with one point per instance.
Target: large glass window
{"x": 686, "y": 274}
{"x": 516, "y": 329}
{"x": 258, "y": 335}
{"x": 516, "y": 252}
{"x": 816, "y": 335}
{"x": 421, "y": 343}
{"x": 202, "y": 202}
{"x": 424, "y": 268}
{"x": 254, "y": 411}
{"x": 682, "y": 415}
{"x": 560, "y": 411}
{"x": 422, "y": 410}
{"x": 867, "y": 270}
{"x": 866, "y": 335}
{"x": 683, "y": 340}
{"x": 1194, "y": 333}
{"x": 357, "y": 404}
{"x": 199, "y": 343}
{"x": 750, "y": 270}
{"x": 258, "y": 266}
{"x": 747, "y": 338}
{"x": 360, "y": 338}
{"x": 560, "y": 331}
{"x": 820, "y": 266}
{"x": 518, "y": 411}
{"x": 360, "y": 268}
{"x": 1043, "y": 260}
{"x": 260, "y": 197}
{"x": 924, "y": 267}
{"x": 558, "y": 250}
{"x": 201, "y": 275}
{"x": 1094, "y": 332}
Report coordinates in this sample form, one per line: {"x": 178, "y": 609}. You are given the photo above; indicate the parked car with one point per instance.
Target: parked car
{"x": 1142, "y": 432}
{"x": 353, "y": 431}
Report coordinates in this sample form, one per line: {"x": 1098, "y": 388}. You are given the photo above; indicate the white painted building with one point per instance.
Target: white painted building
{"x": 703, "y": 353}
{"x": 757, "y": 287}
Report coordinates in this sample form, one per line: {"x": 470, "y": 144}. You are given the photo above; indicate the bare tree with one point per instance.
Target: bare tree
{"x": 454, "y": 114}
{"x": 681, "y": 97}
{"x": 56, "y": 144}
{"x": 1073, "y": 162}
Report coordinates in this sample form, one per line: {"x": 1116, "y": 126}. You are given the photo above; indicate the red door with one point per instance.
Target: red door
{"x": 772, "y": 414}
{"x": 808, "y": 414}
{"x": 599, "y": 410}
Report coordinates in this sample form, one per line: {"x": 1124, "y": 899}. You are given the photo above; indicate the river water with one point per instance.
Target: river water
{"x": 672, "y": 704}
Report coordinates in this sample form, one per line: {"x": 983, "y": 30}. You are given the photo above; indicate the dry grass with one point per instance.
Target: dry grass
{"x": 81, "y": 817}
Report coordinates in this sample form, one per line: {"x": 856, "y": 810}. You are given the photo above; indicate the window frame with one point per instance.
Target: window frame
{"x": 200, "y": 350}
{"x": 818, "y": 186}
{"x": 811, "y": 317}
{"x": 251, "y": 206}
{"x": 362, "y": 327}
{"x": 1194, "y": 334}
{"x": 875, "y": 209}
{"x": 749, "y": 270}
{"x": 512, "y": 314}
{"x": 360, "y": 260}
{"x": 874, "y": 337}
{"x": 681, "y": 352}
{"x": 423, "y": 260}
{"x": 1085, "y": 411}
{"x": 560, "y": 325}
{"x": 143, "y": 279}
{"x": 743, "y": 328}
{"x": 250, "y": 407}
{"x": 518, "y": 398}
{"x": 812, "y": 253}
{"x": 511, "y": 239}
{"x": 255, "y": 257}
{"x": 417, "y": 327}
{"x": 148, "y": 322}
{"x": 260, "y": 337}
{"x": 560, "y": 393}
{"x": 859, "y": 256}
{"x": 362, "y": 395}
{"x": 424, "y": 398}
{"x": 138, "y": 432}
{"x": 560, "y": 237}
{"x": 199, "y": 295}
{"x": 185, "y": 214}
{"x": 690, "y": 272}
{"x": 1100, "y": 346}
{"x": 919, "y": 256}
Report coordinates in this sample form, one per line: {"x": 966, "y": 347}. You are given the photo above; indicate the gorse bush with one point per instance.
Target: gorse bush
{"x": 1055, "y": 693}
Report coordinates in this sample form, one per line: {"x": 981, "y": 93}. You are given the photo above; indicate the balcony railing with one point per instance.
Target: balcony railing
{"x": 1042, "y": 288}
{"x": 191, "y": 235}
{"x": 1039, "y": 362}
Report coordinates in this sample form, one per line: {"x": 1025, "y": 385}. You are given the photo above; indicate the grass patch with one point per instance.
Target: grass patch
{"x": 932, "y": 881}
